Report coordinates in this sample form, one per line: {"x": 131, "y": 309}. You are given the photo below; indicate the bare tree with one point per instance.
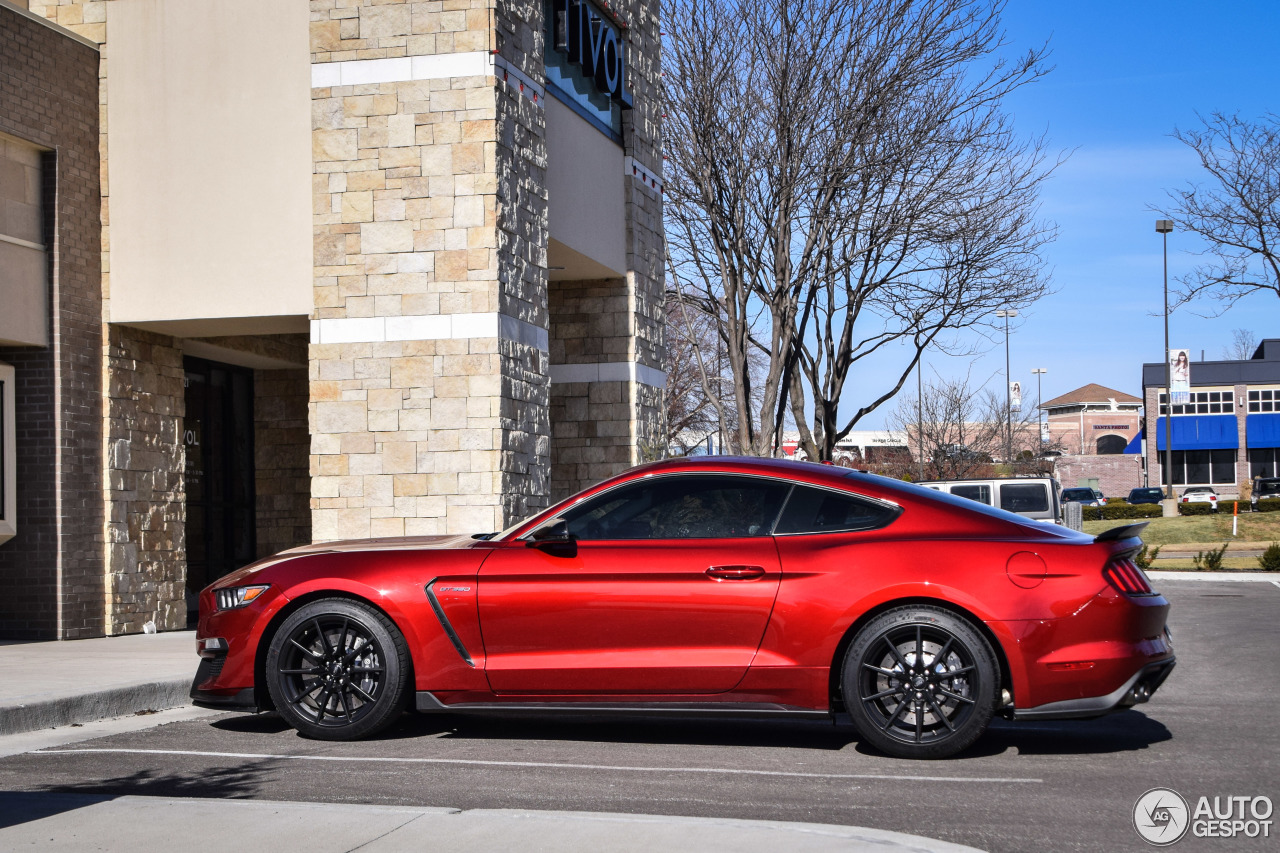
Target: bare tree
{"x": 1237, "y": 211}
{"x": 690, "y": 414}
{"x": 699, "y": 380}
{"x": 1243, "y": 344}
{"x": 962, "y": 431}
{"x": 840, "y": 178}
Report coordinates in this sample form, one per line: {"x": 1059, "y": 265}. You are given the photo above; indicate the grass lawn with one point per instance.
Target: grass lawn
{"x": 1207, "y": 529}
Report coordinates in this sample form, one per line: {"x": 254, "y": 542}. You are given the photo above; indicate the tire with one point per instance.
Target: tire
{"x": 948, "y": 702}
{"x": 338, "y": 670}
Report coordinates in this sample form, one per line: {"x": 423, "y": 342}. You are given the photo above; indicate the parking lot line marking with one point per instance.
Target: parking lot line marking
{"x": 729, "y": 771}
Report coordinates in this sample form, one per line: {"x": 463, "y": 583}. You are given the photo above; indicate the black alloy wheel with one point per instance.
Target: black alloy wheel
{"x": 920, "y": 682}
{"x": 337, "y": 670}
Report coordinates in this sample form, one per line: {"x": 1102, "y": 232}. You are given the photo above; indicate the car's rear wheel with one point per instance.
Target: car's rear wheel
{"x": 338, "y": 670}
{"x": 920, "y": 682}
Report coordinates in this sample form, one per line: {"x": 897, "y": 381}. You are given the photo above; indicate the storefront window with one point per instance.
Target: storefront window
{"x": 1203, "y": 467}
{"x": 1263, "y": 462}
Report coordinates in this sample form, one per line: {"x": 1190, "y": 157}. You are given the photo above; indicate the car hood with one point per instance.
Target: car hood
{"x": 390, "y": 543}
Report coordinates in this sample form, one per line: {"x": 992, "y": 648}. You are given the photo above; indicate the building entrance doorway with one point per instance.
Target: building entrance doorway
{"x": 218, "y": 436}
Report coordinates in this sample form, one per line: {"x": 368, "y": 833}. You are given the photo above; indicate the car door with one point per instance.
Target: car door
{"x": 665, "y": 587}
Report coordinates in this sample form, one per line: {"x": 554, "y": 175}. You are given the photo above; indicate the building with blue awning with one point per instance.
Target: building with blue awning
{"x": 1227, "y": 432}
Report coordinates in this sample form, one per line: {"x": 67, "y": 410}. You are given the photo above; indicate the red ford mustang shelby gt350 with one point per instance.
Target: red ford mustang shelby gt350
{"x": 702, "y": 586}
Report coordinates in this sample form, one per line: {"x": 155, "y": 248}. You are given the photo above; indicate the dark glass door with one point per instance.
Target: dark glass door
{"x": 218, "y": 436}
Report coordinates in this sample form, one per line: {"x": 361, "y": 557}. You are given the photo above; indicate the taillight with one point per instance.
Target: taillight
{"x": 1126, "y": 577}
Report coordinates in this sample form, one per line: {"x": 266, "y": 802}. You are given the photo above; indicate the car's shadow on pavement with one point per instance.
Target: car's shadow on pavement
{"x": 1122, "y": 732}
{"x": 1125, "y": 731}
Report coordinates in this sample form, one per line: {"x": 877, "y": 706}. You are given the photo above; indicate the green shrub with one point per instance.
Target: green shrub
{"x": 1195, "y": 509}
{"x": 1111, "y": 511}
{"x": 1270, "y": 559}
{"x": 1211, "y": 560}
{"x": 1269, "y": 505}
{"x": 1145, "y": 558}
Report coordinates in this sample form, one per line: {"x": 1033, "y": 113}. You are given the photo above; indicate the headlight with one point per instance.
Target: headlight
{"x": 238, "y": 596}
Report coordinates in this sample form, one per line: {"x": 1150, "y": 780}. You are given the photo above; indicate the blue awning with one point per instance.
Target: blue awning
{"x": 1135, "y": 446}
{"x": 1262, "y": 430}
{"x": 1201, "y": 432}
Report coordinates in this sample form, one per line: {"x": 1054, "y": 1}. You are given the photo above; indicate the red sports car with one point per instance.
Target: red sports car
{"x": 702, "y": 586}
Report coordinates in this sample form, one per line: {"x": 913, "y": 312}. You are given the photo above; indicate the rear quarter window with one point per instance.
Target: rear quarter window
{"x": 1024, "y": 497}
{"x": 812, "y": 510}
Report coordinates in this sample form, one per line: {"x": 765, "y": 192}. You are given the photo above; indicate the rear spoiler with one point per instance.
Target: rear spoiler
{"x": 1126, "y": 531}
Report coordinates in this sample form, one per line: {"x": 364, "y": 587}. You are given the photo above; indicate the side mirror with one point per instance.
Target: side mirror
{"x": 556, "y": 530}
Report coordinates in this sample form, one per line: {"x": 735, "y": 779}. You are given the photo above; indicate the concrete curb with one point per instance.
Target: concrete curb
{"x": 57, "y": 822}
{"x": 97, "y": 705}
{"x": 1252, "y": 577}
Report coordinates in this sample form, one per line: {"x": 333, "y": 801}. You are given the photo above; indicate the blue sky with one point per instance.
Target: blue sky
{"x": 1126, "y": 74}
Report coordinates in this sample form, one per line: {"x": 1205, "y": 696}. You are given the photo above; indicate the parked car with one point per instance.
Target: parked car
{"x": 1201, "y": 495}
{"x": 1085, "y": 496}
{"x": 1269, "y": 487}
{"x": 704, "y": 585}
{"x": 1031, "y": 497}
{"x": 1146, "y": 495}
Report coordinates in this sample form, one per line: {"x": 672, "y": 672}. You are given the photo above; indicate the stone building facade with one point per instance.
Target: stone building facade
{"x": 1097, "y": 430}
{"x": 408, "y": 280}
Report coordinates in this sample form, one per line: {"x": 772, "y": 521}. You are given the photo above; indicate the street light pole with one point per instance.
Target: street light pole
{"x": 920, "y": 420}
{"x": 1163, "y": 227}
{"x": 1008, "y": 389}
{"x": 1039, "y": 372}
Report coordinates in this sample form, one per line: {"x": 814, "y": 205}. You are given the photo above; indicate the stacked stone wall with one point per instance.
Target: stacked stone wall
{"x": 427, "y": 409}
{"x": 51, "y": 571}
{"x": 522, "y": 235}
{"x": 146, "y": 492}
{"x": 645, "y": 239}
{"x": 281, "y": 459}
{"x": 591, "y": 421}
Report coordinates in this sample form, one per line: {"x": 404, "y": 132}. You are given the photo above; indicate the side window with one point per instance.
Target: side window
{"x": 681, "y": 507}
{"x": 979, "y": 493}
{"x": 811, "y": 510}
{"x": 1024, "y": 497}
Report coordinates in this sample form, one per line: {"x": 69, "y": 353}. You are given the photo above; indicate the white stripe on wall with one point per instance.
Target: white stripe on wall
{"x": 433, "y": 327}
{"x": 356, "y": 72}
{"x": 613, "y": 371}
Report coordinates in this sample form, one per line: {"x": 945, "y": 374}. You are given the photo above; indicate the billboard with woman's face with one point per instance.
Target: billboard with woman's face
{"x": 1179, "y": 377}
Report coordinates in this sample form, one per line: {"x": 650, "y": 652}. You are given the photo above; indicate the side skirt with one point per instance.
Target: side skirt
{"x": 428, "y": 703}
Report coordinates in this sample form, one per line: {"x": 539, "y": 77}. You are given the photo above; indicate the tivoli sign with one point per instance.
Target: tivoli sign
{"x": 585, "y": 37}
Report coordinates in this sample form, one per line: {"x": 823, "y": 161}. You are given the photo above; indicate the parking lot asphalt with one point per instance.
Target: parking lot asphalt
{"x": 1067, "y": 786}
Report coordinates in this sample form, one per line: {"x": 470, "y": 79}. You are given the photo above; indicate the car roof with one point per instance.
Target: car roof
{"x": 871, "y": 485}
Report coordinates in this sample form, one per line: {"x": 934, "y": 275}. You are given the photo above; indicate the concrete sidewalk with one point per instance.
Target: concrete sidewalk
{"x": 75, "y": 822}
{"x": 46, "y": 684}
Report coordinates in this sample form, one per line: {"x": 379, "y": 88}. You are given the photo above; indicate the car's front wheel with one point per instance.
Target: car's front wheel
{"x": 338, "y": 670}
{"x": 920, "y": 682}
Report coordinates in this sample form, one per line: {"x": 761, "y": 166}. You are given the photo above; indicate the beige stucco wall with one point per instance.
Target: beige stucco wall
{"x": 209, "y": 128}
{"x": 586, "y": 198}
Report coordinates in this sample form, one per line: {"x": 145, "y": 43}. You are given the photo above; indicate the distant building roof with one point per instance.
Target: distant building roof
{"x": 1091, "y": 393}
{"x": 1262, "y": 368}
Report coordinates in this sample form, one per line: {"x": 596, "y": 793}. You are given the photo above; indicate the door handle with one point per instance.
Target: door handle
{"x": 735, "y": 573}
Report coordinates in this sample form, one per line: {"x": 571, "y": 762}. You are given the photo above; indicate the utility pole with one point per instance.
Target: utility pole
{"x": 1008, "y": 389}
{"x": 1163, "y": 227}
